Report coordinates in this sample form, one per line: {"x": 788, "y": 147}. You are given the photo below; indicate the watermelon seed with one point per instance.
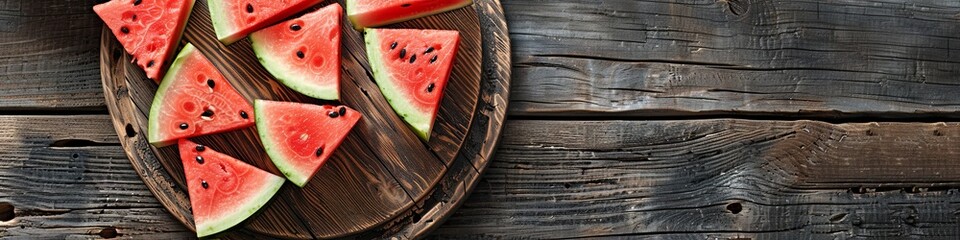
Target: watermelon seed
{"x": 433, "y": 59}
{"x": 200, "y": 148}
{"x": 300, "y": 54}
{"x": 137, "y": 2}
{"x": 249, "y": 8}
{"x": 403, "y": 53}
{"x": 204, "y": 184}
{"x": 319, "y": 151}
{"x": 243, "y": 114}
{"x": 295, "y": 27}
{"x": 429, "y": 50}
{"x": 150, "y": 63}
{"x": 430, "y": 87}
{"x": 210, "y": 83}
{"x": 413, "y": 58}
{"x": 394, "y": 45}
{"x": 333, "y": 114}
{"x": 207, "y": 113}
{"x": 184, "y": 126}
{"x": 200, "y": 159}
{"x": 124, "y": 30}
{"x": 405, "y": 5}
{"x": 134, "y": 17}
{"x": 343, "y": 111}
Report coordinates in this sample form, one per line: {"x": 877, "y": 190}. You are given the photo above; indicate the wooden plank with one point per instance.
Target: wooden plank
{"x": 717, "y": 178}
{"x": 49, "y": 55}
{"x": 67, "y": 177}
{"x": 813, "y": 58}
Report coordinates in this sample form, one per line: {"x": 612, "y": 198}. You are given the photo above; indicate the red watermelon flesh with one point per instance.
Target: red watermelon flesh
{"x": 304, "y": 53}
{"x": 411, "y": 67}
{"x": 234, "y": 19}
{"x": 148, "y": 29}
{"x": 194, "y": 99}
{"x": 373, "y": 13}
{"x": 223, "y": 191}
{"x": 299, "y": 138}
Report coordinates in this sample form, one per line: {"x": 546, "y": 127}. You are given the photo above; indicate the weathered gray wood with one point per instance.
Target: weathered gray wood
{"x": 717, "y": 178}
{"x": 49, "y": 57}
{"x": 67, "y": 177}
{"x": 639, "y": 58}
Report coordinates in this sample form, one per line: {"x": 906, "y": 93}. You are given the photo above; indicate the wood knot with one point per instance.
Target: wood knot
{"x": 737, "y": 7}
{"x": 734, "y": 208}
{"x": 109, "y": 232}
{"x": 7, "y": 212}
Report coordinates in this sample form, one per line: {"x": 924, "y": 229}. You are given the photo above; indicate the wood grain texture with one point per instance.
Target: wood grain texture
{"x": 382, "y": 175}
{"x": 67, "y": 177}
{"x": 717, "y": 179}
{"x": 876, "y": 58}
{"x": 49, "y": 54}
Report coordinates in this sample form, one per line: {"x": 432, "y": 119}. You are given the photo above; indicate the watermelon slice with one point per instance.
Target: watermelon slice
{"x": 194, "y": 99}
{"x": 234, "y": 19}
{"x": 299, "y": 138}
{"x": 304, "y": 53}
{"x": 411, "y": 67}
{"x": 224, "y": 191}
{"x": 373, "y": 13}
{"x": 148, "y": 29}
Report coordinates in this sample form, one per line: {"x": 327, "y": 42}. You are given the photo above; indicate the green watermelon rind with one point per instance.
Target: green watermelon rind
{"x": 220, "y": 22}
{"x": 266, "y": 138}
{"x": 286, "y": 75}
{"x": 352, "y": 5}
{"x": 420, "y": 122}
{"x": 244, "y": 211}
{"x": 153, "y": 123}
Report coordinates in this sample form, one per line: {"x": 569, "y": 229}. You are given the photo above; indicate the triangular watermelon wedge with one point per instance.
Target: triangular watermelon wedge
{"x": 234, "y": 19}
{"x": 148, "y": 29}
{"x": 304, "y": 53}
{"x": 299, "y": 137}
{"x": 374, "y": 13}
{"x": 194, "y": 99}
{"x": 223, "y": 191}
{"x": 411, "y": 67}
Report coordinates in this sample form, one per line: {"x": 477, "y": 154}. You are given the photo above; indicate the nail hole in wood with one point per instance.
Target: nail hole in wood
{"x": 6, "y": 212}
{"x": 130, "y": 132}
{"x": 109, "y": 232}
{"x": 734, "y": 208}
{"x": 75, "y": 156}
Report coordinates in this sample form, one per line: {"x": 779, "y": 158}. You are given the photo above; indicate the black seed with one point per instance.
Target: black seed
{"x": 394, "y": 45}
{"x": 333, "y": 114}
{"x": 137, "y": 2}
{"x": 124, "y": 30}
{"x": 134, "y": 17}
{"x": 211, "y": 83}
{"x": 319, "y": 151}
{"x": 430, "y": 87}
{"x": 200, "y": 148}
{"x": 204, "y": 184}
{"x": 243, "y": 114}
{"x": 295, "y": 27}
{"x": 249, "y": 8}
{"x": 342, "y": 111}
{"x": 429, "y": 50}
{"x": 184, "y": 126}
{"x": 413, "y": 58}
{"x": 150, "y": 63}
{"x": 405, "y": 5}
{"x": 433, "y": 59}
{"x": 207, "y": 113}
{"x": 300, "y": 54}
{"x": 200, "y": 159}
{"x": 403, "y": 53}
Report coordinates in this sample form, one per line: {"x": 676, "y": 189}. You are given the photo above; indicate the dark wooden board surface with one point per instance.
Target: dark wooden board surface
{"x": 538, "y": 185}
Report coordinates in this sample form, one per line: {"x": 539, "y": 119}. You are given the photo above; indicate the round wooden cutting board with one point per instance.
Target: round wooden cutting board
{"x": 382, "y": 181}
